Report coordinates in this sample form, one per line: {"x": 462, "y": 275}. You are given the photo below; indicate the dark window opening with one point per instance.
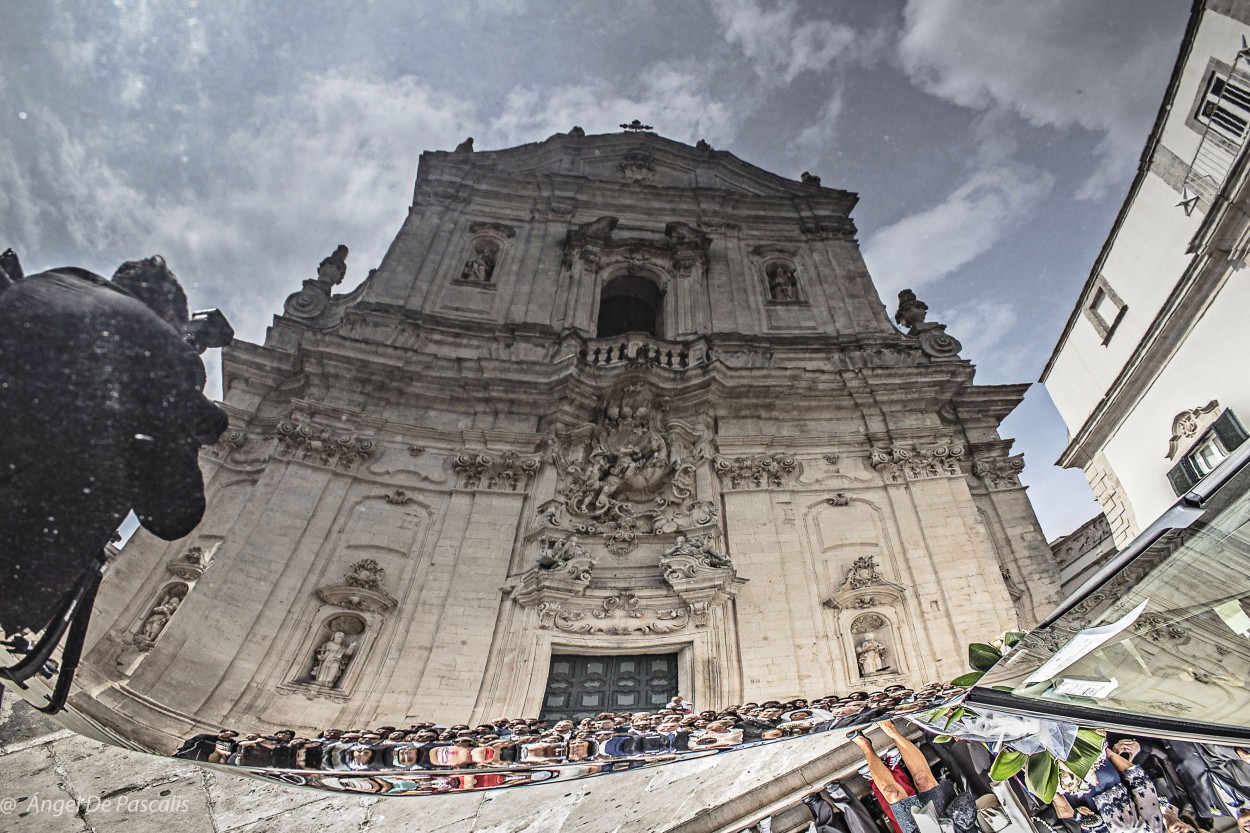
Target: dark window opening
{"x": 629, "y": 304}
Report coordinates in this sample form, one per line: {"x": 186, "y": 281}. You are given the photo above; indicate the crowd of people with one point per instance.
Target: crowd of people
{"x": 1137, "y": 785}
{"x": 675, "y": 729}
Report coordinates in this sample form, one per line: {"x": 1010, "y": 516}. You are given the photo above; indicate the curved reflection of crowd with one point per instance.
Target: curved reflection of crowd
{"x": 1137, "y": 785}
{"x": 673, "y": 730}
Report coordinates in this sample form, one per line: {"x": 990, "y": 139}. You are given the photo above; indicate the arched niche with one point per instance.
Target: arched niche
{"x": 874, "y": 648}
{"x": 781, "y": 282}
{"x": 328, "y": 661}
{"x": 630, "y": 303}
{"x": 156, "y": 618}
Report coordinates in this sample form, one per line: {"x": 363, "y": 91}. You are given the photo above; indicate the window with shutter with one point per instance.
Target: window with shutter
{"x": 1210, "y": 449}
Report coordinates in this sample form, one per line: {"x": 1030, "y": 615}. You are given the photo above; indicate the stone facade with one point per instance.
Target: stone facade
{"x": 437, "y": 481}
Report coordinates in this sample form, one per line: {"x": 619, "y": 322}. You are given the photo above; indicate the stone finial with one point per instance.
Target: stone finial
{"x": 809, "y": 179}
{"x": 702, "y": 144}
{"x": 464, "y": 147}
{"x": 577, "y": 131}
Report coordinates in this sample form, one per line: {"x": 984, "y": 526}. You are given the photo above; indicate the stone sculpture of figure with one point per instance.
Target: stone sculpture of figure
{"x": 557, "y": 552}
{"x": 479, "y": 268}
{"x": 622, "y": 469}
{"x": 331, "y": 657}
{"x": 911, "y": 312}
{"x": 810, "y": 179}
{"x": 871, "y": 654}
{"x": 781, "y": 283}
{"x": 700, "y": 547}
{"x": 333, "y": 268}
{"x": 465, "y": 147}
{"x": 159, "y": 618}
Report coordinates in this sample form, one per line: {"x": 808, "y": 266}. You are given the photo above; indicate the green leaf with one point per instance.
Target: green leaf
{"x": 1042, "y": 776}
{"x": 1085, "y": 751}
{"x": 1007, "y": 764}
{"x": 1012, "y": 638}
{"x": 968, "y": 680}
{"x": 983, "y": 657}
{"x": 942, "y": 739}
{"x": 956, "y": 714}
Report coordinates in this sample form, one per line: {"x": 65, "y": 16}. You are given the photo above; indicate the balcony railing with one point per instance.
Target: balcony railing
{"x": 640, "y": 350}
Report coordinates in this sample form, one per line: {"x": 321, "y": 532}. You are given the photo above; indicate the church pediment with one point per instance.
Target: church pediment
{"x": 644, "y": 159}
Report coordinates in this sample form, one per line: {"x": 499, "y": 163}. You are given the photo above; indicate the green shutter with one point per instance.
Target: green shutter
{"x": 1229, "y": 430}
{"x": 1182, "y": 476}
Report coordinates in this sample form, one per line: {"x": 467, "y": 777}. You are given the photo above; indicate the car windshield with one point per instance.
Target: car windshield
{"x": 1167, "y": 636}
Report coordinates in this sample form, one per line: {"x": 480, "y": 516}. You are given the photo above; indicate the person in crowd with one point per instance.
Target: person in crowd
{"x": 900, "y": 800}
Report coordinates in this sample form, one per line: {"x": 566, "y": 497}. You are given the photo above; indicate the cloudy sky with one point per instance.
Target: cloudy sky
{"x": 991, "y": 142}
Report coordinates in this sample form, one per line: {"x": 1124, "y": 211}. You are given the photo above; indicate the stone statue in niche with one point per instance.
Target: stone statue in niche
{"x": 700, "y": 548}
{"x": 332, "y": 658}
{"x": 871, "y": 656}
{"x": 481, "y": 267}
{"x": 782, "y": 283}
{"x": 159, "y": 618}
{"x": 333, "y": 268}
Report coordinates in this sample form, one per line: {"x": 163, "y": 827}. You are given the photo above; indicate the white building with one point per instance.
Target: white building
{"x": 1147, "y": 373}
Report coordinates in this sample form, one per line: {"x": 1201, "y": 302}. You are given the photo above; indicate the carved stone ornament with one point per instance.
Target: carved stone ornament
{"x": 190, "y": 565}
{"x": 864, "y": 586}
{"x": 1187, "y": 424}
{"x": 503, "y": 471}
{"x": 591, "y": 248}
{"x": 931, "y": 338}
{"x": 618, "y": 615}
{"x": 829, "y": 228}
{"x": 323, "y": 446}
{"x": 699, "y": 574}
{"x": 563, "y": 569}
{"x": 637, "y": 166}
{"x": 398, "y": 498}
{"x": 840, "y": 499}
{"x": 765, "y": 472}
{"x": 361, "y": 588}
{"x": 230, "y": 441}
{"x": 626, "y": 474}
{"x": 899, "y": 463}
{"x": 868, "y": 623}
{"x": 999, "y": 472}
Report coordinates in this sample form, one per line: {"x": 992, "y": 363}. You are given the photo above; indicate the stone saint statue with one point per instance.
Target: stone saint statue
{"x": 331, "y": 657}
{"x": 700, "y": 547}
{"x": 333, "y": 268}
{"x": 557, "y": 553}
{"x": 159, "y": 618}
{"x": 781, "y": 283}
{"x": 871, "y": 654}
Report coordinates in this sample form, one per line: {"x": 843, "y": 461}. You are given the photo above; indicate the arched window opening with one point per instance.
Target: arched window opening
{"x": 630, "y": 304}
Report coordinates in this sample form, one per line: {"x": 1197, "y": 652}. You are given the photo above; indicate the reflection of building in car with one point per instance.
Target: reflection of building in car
{"x": 574, "y": 451}
{"x": 1145, "y": 375}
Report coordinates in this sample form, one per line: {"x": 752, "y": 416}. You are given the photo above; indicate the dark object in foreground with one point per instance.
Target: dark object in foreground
{"x": 102, "y": 411}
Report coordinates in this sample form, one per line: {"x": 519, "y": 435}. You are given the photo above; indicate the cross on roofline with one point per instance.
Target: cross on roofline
{"x": 636, "y": 126}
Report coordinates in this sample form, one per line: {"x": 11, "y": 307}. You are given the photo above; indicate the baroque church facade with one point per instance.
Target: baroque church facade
{"x": 616, "y": 418}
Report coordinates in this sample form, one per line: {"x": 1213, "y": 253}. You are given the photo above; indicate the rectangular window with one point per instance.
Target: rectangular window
{"x": 1104, "y": 309}
{"x": 1224, "y": 107}
{"x": 1216, "y": 443}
